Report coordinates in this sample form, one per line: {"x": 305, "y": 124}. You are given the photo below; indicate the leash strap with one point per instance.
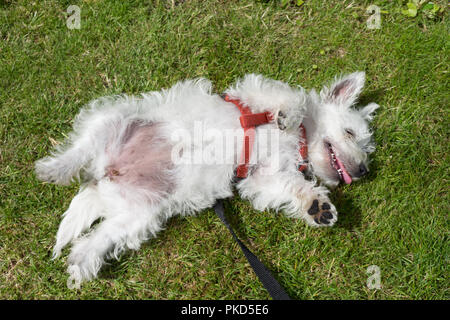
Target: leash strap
{"x": 275, "y": 290}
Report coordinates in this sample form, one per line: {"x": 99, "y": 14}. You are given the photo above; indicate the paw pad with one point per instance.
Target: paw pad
{"x": 314, "y": 207}
{"x": 320, "y": 213}
{"x": 281, "y": 120}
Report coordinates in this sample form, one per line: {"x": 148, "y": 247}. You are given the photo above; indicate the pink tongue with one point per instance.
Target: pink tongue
{"x": 345, "y": 175}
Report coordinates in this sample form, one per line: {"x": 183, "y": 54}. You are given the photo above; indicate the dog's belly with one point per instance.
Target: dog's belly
{"x": 143, "y": 161}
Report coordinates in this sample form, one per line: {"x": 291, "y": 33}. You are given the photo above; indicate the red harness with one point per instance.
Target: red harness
{"x": 249, "y": 121}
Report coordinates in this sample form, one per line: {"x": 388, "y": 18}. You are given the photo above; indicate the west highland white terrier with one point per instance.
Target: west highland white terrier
{"x": 142, "y": 160}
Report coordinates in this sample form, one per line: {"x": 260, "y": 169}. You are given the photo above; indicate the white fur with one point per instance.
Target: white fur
{"x": 131, "y": 214}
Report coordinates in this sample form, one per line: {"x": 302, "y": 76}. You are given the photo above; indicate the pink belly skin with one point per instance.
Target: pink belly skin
{"x": 143, "y": 161}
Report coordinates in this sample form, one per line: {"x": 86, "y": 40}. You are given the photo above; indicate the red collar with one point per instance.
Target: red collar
{"x": 249, "y": 121}
{"x": 303, "y": 165}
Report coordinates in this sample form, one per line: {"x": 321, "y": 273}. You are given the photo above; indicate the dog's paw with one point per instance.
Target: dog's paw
{"x": 287, "y": 118}
{"x": 281, "y": 120}
{"x": 84, "y": 263}
{"x": 51, "y": 170}
{"x": 322, "y": 213}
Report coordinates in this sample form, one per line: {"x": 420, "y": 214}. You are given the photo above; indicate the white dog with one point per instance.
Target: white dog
{"x": 139, "y": 159}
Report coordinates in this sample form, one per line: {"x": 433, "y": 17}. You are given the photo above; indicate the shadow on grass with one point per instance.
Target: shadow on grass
{"x": 349, "y": 213}
{"x": 371, "y": 96}
{"x": 5, "y": 3}
{"x": 114, "y": 267}
{"x": 233, "y": 217}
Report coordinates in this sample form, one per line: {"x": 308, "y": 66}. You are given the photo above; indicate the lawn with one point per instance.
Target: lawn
{"x": 396, "y": 218}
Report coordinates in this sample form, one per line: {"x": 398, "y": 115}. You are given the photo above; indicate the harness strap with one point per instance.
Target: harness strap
{"x": 248, "y": 121}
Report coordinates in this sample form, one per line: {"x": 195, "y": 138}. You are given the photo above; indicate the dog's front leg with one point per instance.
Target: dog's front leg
{"x": 291, "y": 193}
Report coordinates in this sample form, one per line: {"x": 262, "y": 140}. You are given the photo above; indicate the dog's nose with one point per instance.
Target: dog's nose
{"x": 362, "y": 170}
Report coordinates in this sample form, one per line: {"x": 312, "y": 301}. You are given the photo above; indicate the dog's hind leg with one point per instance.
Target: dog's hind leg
{"x": 136, "y": 184}
{"x": 63, "y": 165}
{"x": 86, "y": 207}
{"x": 96, "y": 126}
{"x": 132, "y": 219}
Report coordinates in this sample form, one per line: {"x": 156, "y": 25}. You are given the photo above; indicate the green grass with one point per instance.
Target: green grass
{"x": 397, "y": 218}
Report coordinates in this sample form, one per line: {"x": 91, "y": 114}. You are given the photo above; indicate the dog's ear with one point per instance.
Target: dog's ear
{"x": 367, "y": 111}
{"x": 345, "y": 90}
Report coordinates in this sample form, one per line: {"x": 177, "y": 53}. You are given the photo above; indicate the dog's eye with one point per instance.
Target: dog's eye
{"x": 350, "y": 133}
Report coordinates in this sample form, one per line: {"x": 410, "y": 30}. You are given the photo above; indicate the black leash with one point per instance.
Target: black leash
{"x": 275, "y": 290}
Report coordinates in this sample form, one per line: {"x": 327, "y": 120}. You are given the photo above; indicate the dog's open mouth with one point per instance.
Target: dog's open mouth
{"x": 338, "y": 165}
